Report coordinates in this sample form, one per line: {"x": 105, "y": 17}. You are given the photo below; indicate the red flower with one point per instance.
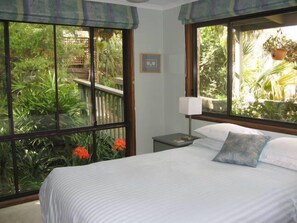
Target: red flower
{"x": 81, "y": 153}
{"x": 119, "y": 145}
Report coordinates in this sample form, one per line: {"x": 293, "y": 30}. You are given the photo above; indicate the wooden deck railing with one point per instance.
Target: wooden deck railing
{"x": 109, "y": 105}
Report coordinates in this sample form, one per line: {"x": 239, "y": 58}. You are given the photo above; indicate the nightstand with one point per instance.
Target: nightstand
{"x": 170, "y": 141}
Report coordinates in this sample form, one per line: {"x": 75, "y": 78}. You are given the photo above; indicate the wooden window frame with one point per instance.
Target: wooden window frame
{"x": 191, "y": 87}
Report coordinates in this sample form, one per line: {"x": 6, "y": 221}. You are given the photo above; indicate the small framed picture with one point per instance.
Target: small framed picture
{"x": 150, "y": 63}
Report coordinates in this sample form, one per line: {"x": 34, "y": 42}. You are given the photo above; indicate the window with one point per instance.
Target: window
{"x": 62, "y": 87}
{"x": 238, "y": 73}
{"x": 264, "y": 84}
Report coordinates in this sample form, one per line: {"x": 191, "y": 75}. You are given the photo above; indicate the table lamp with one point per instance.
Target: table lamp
{"x": 190, "y": 106}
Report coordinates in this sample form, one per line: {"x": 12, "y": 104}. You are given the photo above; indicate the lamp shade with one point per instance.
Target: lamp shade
{"x": 190, "y": 105}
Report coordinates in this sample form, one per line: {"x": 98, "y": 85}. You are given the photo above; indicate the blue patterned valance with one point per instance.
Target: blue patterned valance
{"x": 70, "y": 12}
{"x": 209, "y": 10}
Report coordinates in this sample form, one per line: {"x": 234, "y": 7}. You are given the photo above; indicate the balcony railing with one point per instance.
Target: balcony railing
{"x": 109, "y": 105}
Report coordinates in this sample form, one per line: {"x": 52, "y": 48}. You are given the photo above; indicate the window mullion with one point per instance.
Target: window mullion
{"x": 9, "y": 104}
{"x": 56, "y": 79}
{"x": 229, "y": 69}
{"x": 92, "y": 75}
{"x": 195, "y": 89}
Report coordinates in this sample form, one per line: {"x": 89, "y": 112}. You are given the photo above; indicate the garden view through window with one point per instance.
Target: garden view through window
{"x": 51, "y": 82}
{"x": 264, "y": 83}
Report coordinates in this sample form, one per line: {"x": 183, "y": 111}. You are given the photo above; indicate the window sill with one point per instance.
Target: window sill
{"x": 16, "y": 201}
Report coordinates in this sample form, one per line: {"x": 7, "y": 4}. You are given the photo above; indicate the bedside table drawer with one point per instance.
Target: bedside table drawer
{"x": 161, "y": 146}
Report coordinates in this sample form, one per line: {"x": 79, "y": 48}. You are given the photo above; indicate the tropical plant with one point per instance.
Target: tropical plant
{"x": 35, "y": 103}
{"x": 272, "y": 82}
{"x": 35, "y": 165}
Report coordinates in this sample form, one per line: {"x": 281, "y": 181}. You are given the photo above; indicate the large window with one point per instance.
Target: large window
{"x": 65, "y": 100}
{"x": 238, "y": 71}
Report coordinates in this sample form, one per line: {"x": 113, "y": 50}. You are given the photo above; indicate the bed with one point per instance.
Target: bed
{"x": 177, "y": 185}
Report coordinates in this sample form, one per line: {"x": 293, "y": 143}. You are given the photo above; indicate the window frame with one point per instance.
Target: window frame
{"x": 191, "y": 77}
{"x": 129, "y": 106}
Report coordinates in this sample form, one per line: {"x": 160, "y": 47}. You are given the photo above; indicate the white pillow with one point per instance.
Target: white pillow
{"x": 220, "y": 131}
{"x": 281, "y": 152}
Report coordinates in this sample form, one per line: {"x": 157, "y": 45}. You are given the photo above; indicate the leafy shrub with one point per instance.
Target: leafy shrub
{"x": 272, "y": 110}
{"x": 35, "y": 104}
{"x": 35, "y": 164}
{"x": 213, "y": 62}
{"x": 6, "y": 172}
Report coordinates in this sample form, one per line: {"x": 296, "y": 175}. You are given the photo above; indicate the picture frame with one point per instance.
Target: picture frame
{"x": 150, "y": 63}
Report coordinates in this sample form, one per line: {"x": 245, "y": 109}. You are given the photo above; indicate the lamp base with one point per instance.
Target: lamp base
{"x": 188, "y": 138}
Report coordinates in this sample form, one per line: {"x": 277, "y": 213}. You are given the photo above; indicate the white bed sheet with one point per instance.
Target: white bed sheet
{"x": 178, "y": 185}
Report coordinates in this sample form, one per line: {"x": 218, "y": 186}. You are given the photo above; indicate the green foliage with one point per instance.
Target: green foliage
{"x": 107, "y": 81}
{"x": 31, "y": 41}
{"x": 35, "y": 103}
{"x": 285, "y": 111}
{"x": 67, "y": 51}
{"x": 3, "y": 111}
{"x": 2, "y": 62}
{"x": 266, "y": 85}
{"x": 34, "y": 94}
{"x": 6, "y": 172}
{"x": 109, "y": 56}
{"x": 35, "y": 164}
{"x": 272, "y": 82}
{"x": 213, "y": 61}
{"x": 75, "y": 161}
{"x": 105, "y": 149}
{"x": 27, "y": 68}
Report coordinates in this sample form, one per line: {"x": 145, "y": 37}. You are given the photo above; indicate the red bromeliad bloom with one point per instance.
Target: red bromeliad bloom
{"x": 81, "y": 153}
{"x": 119, "y": 145}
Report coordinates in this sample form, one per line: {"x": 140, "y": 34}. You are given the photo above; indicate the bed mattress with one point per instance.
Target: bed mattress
{"x": 177, "y": 185}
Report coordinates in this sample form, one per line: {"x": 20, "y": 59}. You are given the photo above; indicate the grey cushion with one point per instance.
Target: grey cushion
{"x": 242, "y": 149}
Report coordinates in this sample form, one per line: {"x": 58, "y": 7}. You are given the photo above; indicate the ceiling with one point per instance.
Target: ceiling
{"x": 151, "y": 4}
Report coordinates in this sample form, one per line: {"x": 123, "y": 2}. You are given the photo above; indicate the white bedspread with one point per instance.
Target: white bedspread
{"x": 178, "y": 185}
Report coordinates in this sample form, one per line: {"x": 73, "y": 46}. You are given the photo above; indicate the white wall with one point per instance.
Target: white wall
{"x": 157, "y": 94}
{"x": 149, "y": 88}
{"x": 174, "y": 71}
